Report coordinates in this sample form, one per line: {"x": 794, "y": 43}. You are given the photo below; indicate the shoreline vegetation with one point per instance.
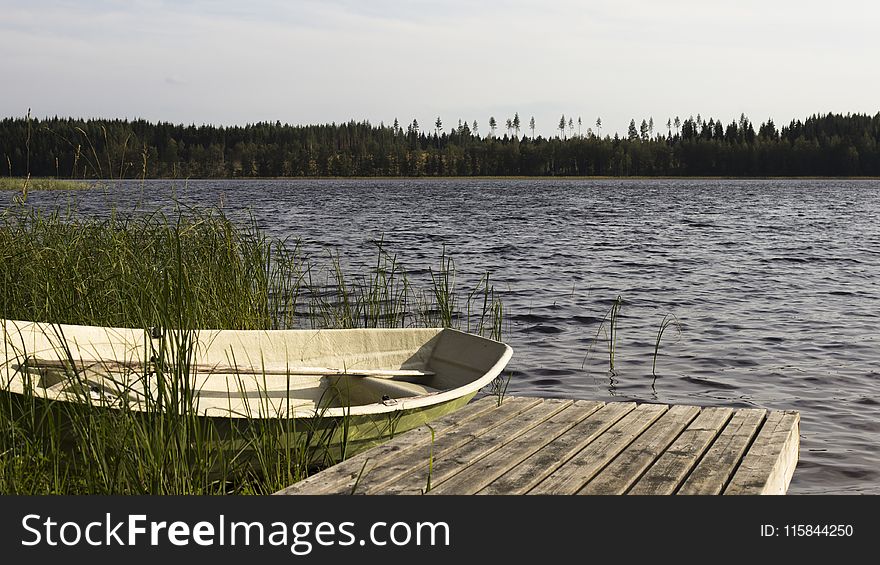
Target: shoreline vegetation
{"x": 820, "y": 146}
{"x": 17, "y": 185}
{"x": 25, "y": 185}
{"x": 189, "y": 270}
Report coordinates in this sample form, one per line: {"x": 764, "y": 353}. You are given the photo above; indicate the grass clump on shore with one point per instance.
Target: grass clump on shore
{"x": 25, "y": 185}
{"x": 123, "y": 271}
{"x": 195, "y": 269}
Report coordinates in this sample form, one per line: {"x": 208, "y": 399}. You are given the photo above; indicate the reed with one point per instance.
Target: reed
{"x": 443, "y": 282}
{"x": 427, "y": 488}
{"x": 609, "y": 326}
{"x": 668, "y": 320}
{"x": 188, "y": 270}
{"x": 498, "y": 387}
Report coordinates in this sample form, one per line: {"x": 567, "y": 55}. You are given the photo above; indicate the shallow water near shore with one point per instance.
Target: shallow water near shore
{"x": 774, "y": 283}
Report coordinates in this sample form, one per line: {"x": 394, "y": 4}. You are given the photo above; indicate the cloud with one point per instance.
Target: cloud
{"x": 307, "y": 61}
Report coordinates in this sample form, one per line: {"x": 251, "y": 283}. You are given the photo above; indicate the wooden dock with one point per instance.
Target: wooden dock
{"x": 554, "y": 446}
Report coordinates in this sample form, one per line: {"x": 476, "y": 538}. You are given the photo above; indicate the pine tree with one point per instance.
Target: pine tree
{"x": 599, "y": 126}
{"x": 438, "y": 124}
{"x": 532, "y": 126}
{"x": 464, "y": 130}
{"x": 492, "y": 125}
{"x": 516, "y": 123}
{"x": 643, "y": 130}
{"x": 561, "y": 126}
{"x": 632, "y": 133}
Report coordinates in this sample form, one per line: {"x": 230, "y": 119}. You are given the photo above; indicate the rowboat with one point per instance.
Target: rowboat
{"x": 361, "y": 384}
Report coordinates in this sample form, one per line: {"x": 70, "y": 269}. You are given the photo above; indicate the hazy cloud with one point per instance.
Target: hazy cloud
{"x": 334, "y": 60}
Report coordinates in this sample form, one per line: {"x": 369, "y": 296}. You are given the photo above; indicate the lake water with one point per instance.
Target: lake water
{"x": 775, "y": 284}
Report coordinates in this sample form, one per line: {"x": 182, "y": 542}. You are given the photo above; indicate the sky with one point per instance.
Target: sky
{"x": 320, "y": 61}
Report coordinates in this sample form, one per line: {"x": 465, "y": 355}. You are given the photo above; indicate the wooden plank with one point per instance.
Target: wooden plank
{"x": 543, "y": 462}
{"x": 628, "y": 466}
{"x": 342, "y": 476}
{"x": 379, "y": 475}
{"x": 718, "y": 464}
{"x": 668, "y": 472}
{"x": 536, "y": 446}
{"x": 574, "y": 474}
{"x": 446, "y": 465}
{"x": 769, "y": 463}
{"x": 489, "y": 468}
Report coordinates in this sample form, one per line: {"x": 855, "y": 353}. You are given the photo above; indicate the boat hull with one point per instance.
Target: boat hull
{"x": 65, "y": 370}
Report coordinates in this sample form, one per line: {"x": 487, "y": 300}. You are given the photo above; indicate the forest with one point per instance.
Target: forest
{"x": 828, "y": 145}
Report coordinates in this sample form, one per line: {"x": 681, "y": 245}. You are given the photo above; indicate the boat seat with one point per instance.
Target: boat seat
{"x": 397, "y": 388}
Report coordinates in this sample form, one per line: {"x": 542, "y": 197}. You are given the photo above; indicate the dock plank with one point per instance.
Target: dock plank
{"x": 769, "y": 463}
{"x": 560, "y": 446}
{"x": 378, "y": 476}
{"x": 340, "y": 478}
{"x": 447, "y": 464}
{"x": 628, "y": 466}
{"x": 668, "y": 472}
{"x": 487, "y": 469}
{"x": 574, "y": 473}
{"x": 538, "y": 466}
{"x": 720, "y": 461}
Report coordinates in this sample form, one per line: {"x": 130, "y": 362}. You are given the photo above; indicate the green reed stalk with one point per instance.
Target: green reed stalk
{"x": 614, "y": 316}
{"x": 430, "y": 461}
{"x": 443, "y": 287}
{"x": 609, "y": 325}
{"x": 668, "y": 320}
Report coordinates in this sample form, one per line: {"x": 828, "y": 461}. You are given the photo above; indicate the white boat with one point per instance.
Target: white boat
{"x": 378, "y": 381}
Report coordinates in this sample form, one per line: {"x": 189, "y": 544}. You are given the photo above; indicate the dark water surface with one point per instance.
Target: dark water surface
{"x": 775, "y": 283}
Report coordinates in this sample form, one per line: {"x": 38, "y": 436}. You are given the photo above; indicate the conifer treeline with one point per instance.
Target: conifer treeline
{"x": 822, "y": 145}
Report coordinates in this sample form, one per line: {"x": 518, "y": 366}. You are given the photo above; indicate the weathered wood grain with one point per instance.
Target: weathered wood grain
{"x": 720, "y": 461}
{"x": 668, "y": 472}
{"x": 577, "y": 471}
{"x": 443, "y": 466}
{"x": 379, "y": 476}
{"x": 558, "y": 446}
{"x": 341, "y": 478}
{"x": 628, "y": 466}
{"x": 546, "y": 460}
{"x": 487, "y": 469}
{"x": 769, "y": 463}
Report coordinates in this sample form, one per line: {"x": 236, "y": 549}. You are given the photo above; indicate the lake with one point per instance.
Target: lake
{"x": 775, "y": 284}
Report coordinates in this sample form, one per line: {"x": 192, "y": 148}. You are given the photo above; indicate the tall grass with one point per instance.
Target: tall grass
{"x": 201, "y": 268}
{"x": 25, "y": 185}
{"x": 194, "y": 269}
{"x": 668, "y": 320}
{"x": 609, "y": 326}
